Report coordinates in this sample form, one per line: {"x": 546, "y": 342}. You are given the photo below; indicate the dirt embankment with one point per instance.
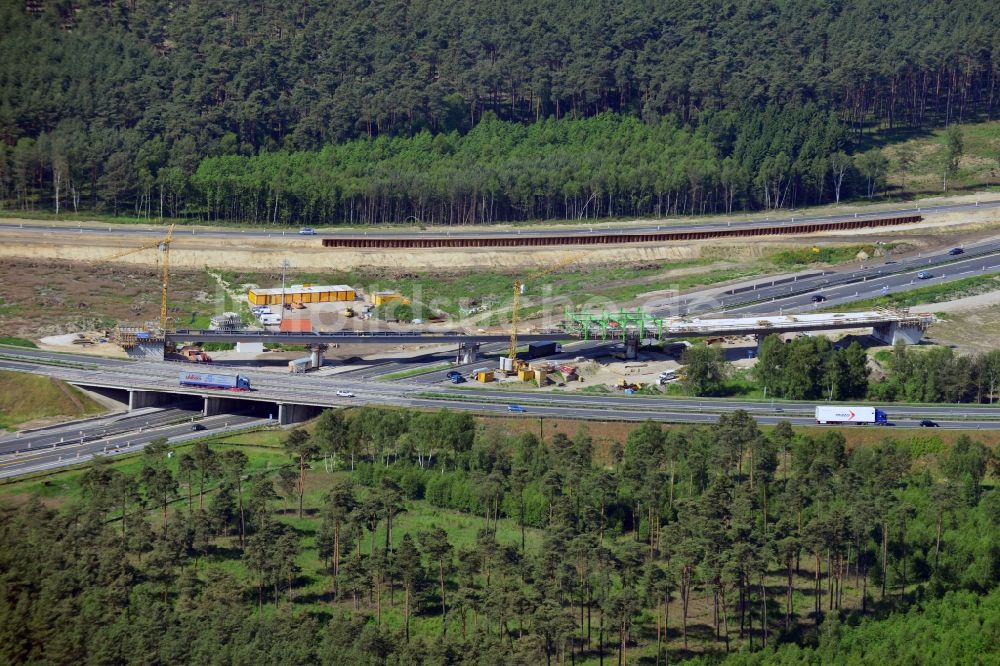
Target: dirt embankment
{"x": 192, "y": 248}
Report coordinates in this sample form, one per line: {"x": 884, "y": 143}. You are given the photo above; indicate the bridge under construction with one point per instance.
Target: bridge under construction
{"x": 629, "y": 326}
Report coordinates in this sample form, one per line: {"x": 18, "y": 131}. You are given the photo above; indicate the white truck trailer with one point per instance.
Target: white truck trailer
{"x": 836, "y": 414}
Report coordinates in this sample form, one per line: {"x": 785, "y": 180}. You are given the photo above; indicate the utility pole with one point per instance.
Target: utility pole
{"x": 284, "y": 267}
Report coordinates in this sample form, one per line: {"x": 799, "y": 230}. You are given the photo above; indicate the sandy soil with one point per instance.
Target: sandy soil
{"x": 44, "y": 298}
{"x": 194, "y": 252}
{"x": 971, "y": 324}
{"x": 64, "y": 343}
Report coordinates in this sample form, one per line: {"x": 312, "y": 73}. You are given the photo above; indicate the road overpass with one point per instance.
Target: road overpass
{"x": 316, "y": 392}
{"x": 586, "y": 326}
{"x": 296, "y": 397}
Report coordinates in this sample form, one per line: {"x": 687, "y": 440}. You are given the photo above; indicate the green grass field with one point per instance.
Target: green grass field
{"x": 25, "y": 398}
{"x": 17, "y": 342}
{"x": 414, "y": 372}
{"x": 916, "y": 159}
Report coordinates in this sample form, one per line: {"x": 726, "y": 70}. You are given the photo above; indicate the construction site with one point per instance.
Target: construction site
{"x": 622, "y": 325}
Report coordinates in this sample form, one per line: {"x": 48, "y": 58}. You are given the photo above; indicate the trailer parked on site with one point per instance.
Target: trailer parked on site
{"x": 831, "y": 414}
{"x": 540, "y": 349}
{"x": 207, "y": 380}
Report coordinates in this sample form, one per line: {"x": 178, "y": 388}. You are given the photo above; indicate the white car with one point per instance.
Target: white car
{"x": 307, "y": 231}
{"x": 344, "y": 394}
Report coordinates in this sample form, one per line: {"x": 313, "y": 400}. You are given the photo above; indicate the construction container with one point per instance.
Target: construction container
{"x": 525, "y": 375}
{"x": 295, "y": 326}
{"x": 539, "y": 349}
{"x": 506, "y": 364}
{"x": 300, "y": 365}
{"x": 302, "y": 293}
{"x": 383, "y": 297}
{"x": 484, "y": 376}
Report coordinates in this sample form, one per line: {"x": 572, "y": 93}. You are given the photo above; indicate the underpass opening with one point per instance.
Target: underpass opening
{"x": 214, "y": 405}
{"x": 116, "y": 395}
{"x": 285, "y": 413}
{"x": 289, "y": 413}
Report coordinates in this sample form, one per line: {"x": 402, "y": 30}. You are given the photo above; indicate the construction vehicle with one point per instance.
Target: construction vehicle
{"x": 625, "y": 385}
{"x": 512, "y": 364}
{"x": 195, "y": 354}
{"x": 163, "y": 246}
{"x": 349, "y": 312}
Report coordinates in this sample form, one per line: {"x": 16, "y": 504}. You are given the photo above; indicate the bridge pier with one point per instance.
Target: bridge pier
{"x": 632, "y": 341}
{"x": 468, "y": 352}
{"x": 893, "y": 332}
{"x": 316, "y": 354}
{"x": 212, "y": 406}
{"x": 147, "y": 351}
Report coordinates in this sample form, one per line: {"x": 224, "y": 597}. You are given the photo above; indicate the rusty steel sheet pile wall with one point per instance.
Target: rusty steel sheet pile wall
{"x": 415, "y": 242}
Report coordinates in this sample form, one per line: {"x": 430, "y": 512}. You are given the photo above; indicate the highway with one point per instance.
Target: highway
{"x": 581, "y": 230}
{"x": 93, "y": 429}
{"x": 838, "y": 286}
{"x": 876, "y": 284}
{"x": 39, "y": 451}
{"x": 26, "y": 461}
{"x": 320, "y": 391}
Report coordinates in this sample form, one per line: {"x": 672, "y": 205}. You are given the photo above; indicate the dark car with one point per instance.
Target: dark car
{"x": 927, "y": 423}
{"x": 197, "y": 426}
{"x": 818, "y": 298}
{"x": 956, "y": 250}
{"x": 924, "y": 275}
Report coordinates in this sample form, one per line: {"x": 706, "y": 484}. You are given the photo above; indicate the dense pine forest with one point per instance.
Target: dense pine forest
{"x": 452, "y": 112}
{"x": 392, "y": 537}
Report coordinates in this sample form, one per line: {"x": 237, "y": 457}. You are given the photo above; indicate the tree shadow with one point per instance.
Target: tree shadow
{"x": 880, "y": 138}
{"x": 325, "y": 597}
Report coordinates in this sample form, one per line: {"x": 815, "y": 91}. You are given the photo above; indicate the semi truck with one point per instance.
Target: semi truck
{"x": 206, "y": 380}
{"x": 829, "y": 414}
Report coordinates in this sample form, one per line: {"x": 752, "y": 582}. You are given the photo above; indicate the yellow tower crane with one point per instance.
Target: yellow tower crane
{"x": 163, "y": 246}
{"x": 515, "y": 310}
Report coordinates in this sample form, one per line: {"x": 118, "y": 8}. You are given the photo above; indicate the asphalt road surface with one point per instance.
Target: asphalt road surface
{"x": 765, "y": 297}
{"x": 94, "y": 429}
{"x": 26, "y": 461}
{"x": 320, "y": 390}
{"x": 874, "y": 285}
